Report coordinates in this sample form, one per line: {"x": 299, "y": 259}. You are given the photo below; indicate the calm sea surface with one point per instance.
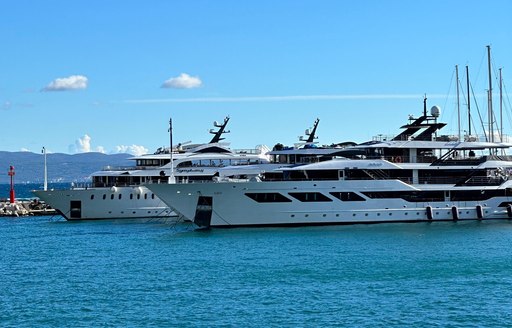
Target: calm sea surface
{"x": 156, "y": 273}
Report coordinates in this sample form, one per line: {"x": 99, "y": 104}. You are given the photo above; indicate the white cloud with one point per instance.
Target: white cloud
{"x": 133, "y": 149}
{"x": 73, "y": 82}
{"x": 183, "y": 81}
{"x": 83, "y": 144}
{"x": 24, "y": 149}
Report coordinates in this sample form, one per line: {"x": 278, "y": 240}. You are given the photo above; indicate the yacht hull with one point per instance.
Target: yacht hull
{"x": 105, "y": 203}
{"x": 235, "y": 204}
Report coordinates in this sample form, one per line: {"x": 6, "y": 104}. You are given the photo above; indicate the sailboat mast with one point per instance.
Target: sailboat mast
{"x": 458, "y": 99}
{"x": 491, "y": 130}
{"x": 469, "y": 100}
{"x": 501, "y": 107}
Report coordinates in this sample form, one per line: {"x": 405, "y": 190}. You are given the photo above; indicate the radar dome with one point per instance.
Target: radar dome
{"x": 435, "y": 111}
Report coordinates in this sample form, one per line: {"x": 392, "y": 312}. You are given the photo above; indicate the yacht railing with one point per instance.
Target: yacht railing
{"x": 121, "y": 168}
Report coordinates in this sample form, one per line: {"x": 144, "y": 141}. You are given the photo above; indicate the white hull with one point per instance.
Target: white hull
{"x": 105, "y": 203}
{"x": 231, "y": 207}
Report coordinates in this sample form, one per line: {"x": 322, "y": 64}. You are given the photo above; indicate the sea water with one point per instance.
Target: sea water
{"x": 24, "y": 190}
{"x": 157, "y": 273}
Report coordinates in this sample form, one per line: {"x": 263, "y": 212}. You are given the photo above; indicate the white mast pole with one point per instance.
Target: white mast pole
{"x": 458, "y": 99}
{"x": 491, "y": 123}
{"x": 45, "y": 185}
{"x": 501, "y": 107}
{"x": 171, "y": 175}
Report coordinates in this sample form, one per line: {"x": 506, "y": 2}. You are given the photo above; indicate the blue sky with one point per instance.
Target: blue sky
{"x": 107, "y": 75}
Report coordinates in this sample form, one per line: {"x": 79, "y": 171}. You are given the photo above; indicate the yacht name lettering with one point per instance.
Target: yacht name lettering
{"x": 190, "y": 170}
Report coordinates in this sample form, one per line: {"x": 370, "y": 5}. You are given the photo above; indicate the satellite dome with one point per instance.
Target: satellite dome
{"x": 435, "y": 111}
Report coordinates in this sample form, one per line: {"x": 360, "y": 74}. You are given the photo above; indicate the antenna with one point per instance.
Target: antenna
{"x": 217, "y": 134}
{"x": 313, "y": 132}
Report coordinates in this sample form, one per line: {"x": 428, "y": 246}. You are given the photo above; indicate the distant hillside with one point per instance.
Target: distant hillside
{"x": 29, "y": 166}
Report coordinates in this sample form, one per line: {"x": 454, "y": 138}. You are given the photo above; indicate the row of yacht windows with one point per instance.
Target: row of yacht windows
{"x": 153, "y": 162}
{"x": 132, "y": 196}
{"x": 410, "y": 196}
{"x": 219, "y": 162}
{"x": 275, "y": 197}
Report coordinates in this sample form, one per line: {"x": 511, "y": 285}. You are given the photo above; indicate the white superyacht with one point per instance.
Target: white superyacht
{"x": 118, "y": 192}
{"x": 415, "y": 176}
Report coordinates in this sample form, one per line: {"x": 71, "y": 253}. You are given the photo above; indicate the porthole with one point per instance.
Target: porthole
{"x": 145, "y": 196}
{"x": 354, "y": 214}
{"x": 112, "y": 196}
{"x": 378, "y": 214}
{"x": 417, "y": 213}
{"x": 306, "y": 215}
{"x": 104, "y": 196}
{"x": 337, "y": 215}
{"x": 120, "y": 196}
{"x": 138, "y": 196}
{"x": 324, "y": 215}
{"x": 293, "y": 215}
{"x": 366, "y": 214}
{"x": 92, "y": 197}
{"x": 406, "y": 213}
{"x": 390, "y": 214}
{"x": 131, "y": 196}
{"x": 152, "y": 196}
{"x": 133, "y": 212}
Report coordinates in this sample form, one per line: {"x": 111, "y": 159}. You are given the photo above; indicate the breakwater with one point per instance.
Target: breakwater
{"x": 25, "y": 208}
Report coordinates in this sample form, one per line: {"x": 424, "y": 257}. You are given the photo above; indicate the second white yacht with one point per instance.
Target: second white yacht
{"x": 118, "y": 192}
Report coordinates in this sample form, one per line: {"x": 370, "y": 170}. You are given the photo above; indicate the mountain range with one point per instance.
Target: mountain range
{"x": 29, "y": 167}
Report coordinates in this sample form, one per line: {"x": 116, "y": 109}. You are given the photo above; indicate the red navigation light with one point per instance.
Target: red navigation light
{"x": 11, "y": 174}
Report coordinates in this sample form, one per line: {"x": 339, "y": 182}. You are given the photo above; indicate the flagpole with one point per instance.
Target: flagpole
{"x": 45, "y": 186}
{"x": 171, "y": 175}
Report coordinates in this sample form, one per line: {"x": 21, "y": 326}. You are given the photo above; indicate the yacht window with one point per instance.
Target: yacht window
{"x": 184, "y": 164}
{"x": 469, "y": 195}
{"x": 348, "y": 196}
{"x": 104, "y": 196}
{"x": 120, "y": 196}
{"x": 112, "y": 196}
{"x": 131, "y": 196}
{"x": 410, "y": 196}
{"x": 138, "y": 196}
{"x": 145, "y": 196}
{"x": 92, "y": 197}
{"x": 268, "y": 197}
{"x": 310, "y": 196}
{"x": 152, "y": 196}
